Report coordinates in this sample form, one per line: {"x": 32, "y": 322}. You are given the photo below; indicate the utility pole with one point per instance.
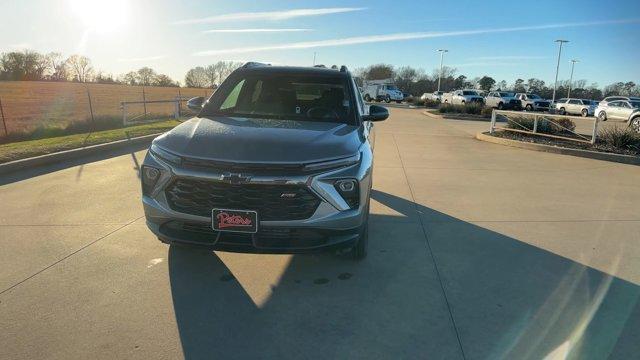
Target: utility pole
{"x": 314, "y": 58}
{"x": 442, "y": 51}
{"x": 573, "y": 64}
{"x": 555, "y": 84}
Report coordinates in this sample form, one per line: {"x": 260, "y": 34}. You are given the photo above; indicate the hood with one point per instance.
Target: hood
{"x": 251, "y": 140}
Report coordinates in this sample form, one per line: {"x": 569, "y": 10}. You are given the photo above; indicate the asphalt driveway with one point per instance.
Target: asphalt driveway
{"x": 477, "y": 251}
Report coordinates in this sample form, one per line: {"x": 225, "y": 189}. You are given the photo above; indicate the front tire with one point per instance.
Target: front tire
{"x": 585, "y": 112}
{"x": 500, "y": 106}
{"x": 634, "y": 124}
{"x": 562, "y": 111}
{"x": 602, "y": 116}
{"x": 529, "y": 107}
{"x": 387, "y": 99}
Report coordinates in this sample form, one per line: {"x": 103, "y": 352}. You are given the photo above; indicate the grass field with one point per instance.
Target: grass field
{"x": 28, "y": 105}
{"x": 25, "y": 149}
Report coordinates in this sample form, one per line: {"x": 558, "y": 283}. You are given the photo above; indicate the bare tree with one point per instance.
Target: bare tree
{"x": 80, "y": 67}
{"x": 164, "y": 80}
{"x": 130, "y": 78}
{"x": 146, "y": 76}
{"x": 212, "y": 72}
{"x": 196, "y": 77}
{"x": 57, "y": 67}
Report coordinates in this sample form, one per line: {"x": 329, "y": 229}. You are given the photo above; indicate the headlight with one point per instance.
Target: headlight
{"x": 348, "y": 189}
{"x": 163, "y": 154}
{"x": 149, "y": 176}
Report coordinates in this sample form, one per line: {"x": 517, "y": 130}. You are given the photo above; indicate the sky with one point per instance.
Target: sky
{"x": 505, "y": 40}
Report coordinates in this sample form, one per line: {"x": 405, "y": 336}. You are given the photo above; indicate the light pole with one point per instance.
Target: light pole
{"x": 314, "y": 58}
{"x": 573, "y": 64}
{"x": 555, "y": 84}
{"x": 442, "y": 51}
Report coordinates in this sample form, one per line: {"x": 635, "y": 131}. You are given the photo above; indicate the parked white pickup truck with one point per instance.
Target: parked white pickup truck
{"x": 461, "y": 97}
{"x": 381, "y": 90}
{"x": 533, "y": 102}
{"x": 502, "y": 100}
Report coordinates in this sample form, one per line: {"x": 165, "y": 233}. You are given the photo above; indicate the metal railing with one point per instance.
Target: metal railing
{"x": 517, "y": 118}
{"x": 128, "y": 118}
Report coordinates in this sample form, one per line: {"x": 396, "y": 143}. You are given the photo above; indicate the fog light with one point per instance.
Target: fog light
{"x": 348, "y": 189}
{"x": 150, "y": 176}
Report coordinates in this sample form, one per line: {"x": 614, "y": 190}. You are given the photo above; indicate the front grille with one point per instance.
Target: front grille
{"x": 199, "y": 197}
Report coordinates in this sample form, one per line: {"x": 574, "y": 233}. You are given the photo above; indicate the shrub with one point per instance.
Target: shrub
{"x": 620, "y": 138}
{"x": 486, "y": 112}
{"x": 430, "y": 103}
{"x": 474, "y": 109}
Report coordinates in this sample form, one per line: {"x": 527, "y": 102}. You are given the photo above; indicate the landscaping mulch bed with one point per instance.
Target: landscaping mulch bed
{"x": 598, "y": 146}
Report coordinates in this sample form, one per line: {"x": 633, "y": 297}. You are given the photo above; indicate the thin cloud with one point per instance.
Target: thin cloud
{"x": 267, "y": 15}
{"x": 213, "y": 31}
{"x": 512, "y": 57}
{"x": 142, "y": 59}
{"x": 403, "y": 36}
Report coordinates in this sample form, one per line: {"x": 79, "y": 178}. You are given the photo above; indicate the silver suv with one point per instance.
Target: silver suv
{"x": 573, "y": 106}
{"x": 278, "y": 160}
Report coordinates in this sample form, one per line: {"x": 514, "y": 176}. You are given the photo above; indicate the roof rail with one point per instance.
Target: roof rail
{"x": 343, "y": 68}
{"x": 251, "y": 64}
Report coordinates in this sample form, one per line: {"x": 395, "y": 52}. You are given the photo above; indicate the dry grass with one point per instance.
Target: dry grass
{"x": 29, "y": 105}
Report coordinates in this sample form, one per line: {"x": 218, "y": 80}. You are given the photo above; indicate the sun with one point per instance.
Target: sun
{"x": 103, "y": 16}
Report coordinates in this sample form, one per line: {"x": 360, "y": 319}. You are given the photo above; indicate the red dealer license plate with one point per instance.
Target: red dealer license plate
{"x": 245, "y": 221}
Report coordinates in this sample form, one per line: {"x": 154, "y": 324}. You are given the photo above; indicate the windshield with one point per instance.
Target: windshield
{"x": 391, "y": 87}
{"x": 283, "y": 96}
{"x": 468, "y": 92}
{"x": 635, "y": 104}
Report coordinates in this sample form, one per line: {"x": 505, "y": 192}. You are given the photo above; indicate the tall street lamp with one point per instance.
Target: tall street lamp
{"x": 555, "y": 85}
{"x": 442, "y": 51}
{"x": 573, "y": 64}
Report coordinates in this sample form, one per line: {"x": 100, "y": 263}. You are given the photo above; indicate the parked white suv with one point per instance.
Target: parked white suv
{"x": 461, "y": 97}
{"x": 533, "y": 102}
{"x": 574, "y": 106}
{"x": 502, "y": 100}
{"x": 617, "y": 109}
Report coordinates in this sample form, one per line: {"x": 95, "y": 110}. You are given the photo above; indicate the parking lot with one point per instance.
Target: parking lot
{"x": 477, "y": 251}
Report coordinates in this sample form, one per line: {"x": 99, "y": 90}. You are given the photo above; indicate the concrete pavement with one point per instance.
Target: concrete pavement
{"x": 477, "y": 251}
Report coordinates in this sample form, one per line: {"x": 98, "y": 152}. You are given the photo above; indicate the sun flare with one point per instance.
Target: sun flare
{"x": 100, "y": 15}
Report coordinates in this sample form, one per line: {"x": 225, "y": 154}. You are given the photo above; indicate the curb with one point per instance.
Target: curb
{"x": 619, "y": 158}
{"x": 455, "y": 117}
{"x": 65, "y": 155}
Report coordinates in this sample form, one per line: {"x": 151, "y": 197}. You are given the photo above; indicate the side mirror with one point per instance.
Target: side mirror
{"x": 376, "y": 113}
{"x": 195, "y": 104}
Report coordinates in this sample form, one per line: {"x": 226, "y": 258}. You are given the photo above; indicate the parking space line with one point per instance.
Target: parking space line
{"x": 435, "y": 264}
{"x": 68, "y": 256}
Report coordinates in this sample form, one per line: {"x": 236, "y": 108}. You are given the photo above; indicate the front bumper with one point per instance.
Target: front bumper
{"x": 332, "y": 225}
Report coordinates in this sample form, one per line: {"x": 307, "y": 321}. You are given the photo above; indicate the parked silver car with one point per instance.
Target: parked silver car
{"x": 617, "y": 109}
{"x": 574, "y": 106}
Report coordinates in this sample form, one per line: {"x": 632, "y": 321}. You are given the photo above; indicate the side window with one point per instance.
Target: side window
{"x": 614, "y": 104}
{"x": 575, "y": 102}
{"x": 625, "y": 105}
{"x": 232, "y": 100}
